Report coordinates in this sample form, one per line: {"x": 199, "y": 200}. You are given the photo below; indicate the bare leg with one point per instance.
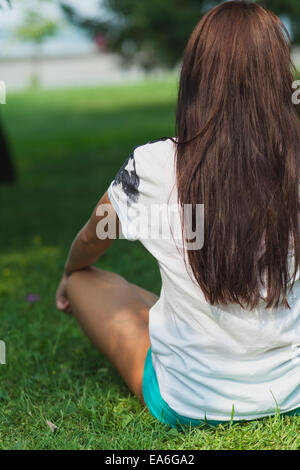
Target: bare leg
{"x": 114, "y": 314}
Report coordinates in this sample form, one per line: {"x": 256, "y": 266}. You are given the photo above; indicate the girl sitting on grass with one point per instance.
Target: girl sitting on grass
{"x": 223, "y": 338}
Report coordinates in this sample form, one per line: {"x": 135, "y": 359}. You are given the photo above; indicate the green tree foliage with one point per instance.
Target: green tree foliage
{"x": 291, "y": 8}
{"x": 151, "y": 32}
{"x": 36, "y": 27}
{"x": 155, "y": 32}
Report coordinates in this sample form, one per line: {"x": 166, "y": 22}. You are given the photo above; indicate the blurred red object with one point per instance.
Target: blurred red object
{"x": 101, "y": 42}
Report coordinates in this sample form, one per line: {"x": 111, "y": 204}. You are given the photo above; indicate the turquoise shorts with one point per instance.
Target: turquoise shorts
{"x": 161, "y": 410}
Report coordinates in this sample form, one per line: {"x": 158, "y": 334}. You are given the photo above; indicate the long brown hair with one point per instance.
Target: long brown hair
{"x": 237, "y": 152}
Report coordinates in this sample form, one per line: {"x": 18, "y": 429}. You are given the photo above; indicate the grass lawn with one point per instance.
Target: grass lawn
{"x": 68, "y": 146}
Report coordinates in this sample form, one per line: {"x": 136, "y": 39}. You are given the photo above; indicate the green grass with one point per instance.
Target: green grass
{"x": 68, "y": 146}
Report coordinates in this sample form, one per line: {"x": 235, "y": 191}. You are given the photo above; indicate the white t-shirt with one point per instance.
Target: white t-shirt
{"x": 208, "y": 359}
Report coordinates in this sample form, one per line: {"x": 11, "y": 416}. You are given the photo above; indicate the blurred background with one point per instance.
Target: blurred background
{"x": 64, "y": 43}
{"x": 68, "y": 44}
{"x": 82, "y": 84}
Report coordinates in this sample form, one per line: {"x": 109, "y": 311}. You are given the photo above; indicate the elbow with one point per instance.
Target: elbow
{"x": 85, "y": 239}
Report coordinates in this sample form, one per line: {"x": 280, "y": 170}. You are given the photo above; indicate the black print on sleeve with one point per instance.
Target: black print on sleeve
{"x": 129, "y": 180}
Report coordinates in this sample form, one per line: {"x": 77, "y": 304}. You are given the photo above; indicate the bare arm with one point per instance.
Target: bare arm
{"x": 87, "y": 247}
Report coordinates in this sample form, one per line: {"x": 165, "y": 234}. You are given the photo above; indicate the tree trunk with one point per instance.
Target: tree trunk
{"x": 7, "y": 171}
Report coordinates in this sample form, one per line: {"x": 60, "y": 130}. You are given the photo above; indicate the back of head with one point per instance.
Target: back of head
{"x": 238, "y": 153}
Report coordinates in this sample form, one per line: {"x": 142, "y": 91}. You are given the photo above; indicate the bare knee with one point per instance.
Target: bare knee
{"x": 76, "y": 278}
